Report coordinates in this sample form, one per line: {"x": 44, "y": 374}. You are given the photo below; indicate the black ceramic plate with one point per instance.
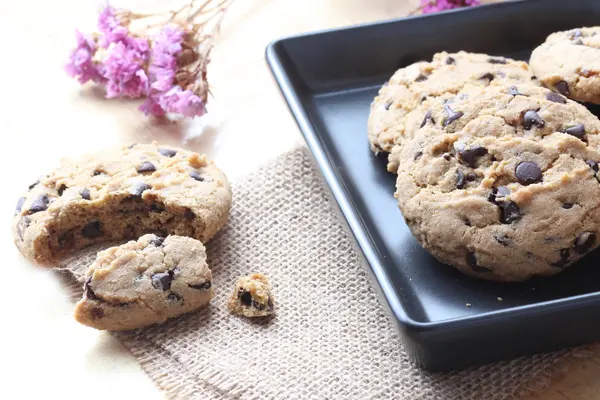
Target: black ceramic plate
{"x": 329, "y": 80}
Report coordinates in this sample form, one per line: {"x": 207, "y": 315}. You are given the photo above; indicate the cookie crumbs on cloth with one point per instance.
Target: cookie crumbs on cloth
{"x": 252, "y": 297}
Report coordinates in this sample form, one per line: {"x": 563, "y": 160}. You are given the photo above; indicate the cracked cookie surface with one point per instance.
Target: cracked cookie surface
{"x": 501, "y": 182}
{"x": 145, "y": 282}
{"x": 120, "y": 194}
{"x": 446, "y": 74}
{"x": 568, "y": 62}
{"x": 252, "y": 297}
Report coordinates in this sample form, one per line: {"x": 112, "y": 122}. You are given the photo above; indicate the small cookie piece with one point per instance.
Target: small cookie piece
{"x": 506, "y": 183}
{"x": 568, "y": 62}
{"x": 145, "y": 282}
{"x": 252, "y": 297}
{"x": 121, "y": 194}
{"x": 445, "y": 74}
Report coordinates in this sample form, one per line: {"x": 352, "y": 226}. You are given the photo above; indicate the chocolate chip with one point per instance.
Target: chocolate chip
{"x": 471, "y": 177}
{"x": 92, "y": 230}
{"x": 500, "y": 191}
{"x": 22, "y": 225}
{"x": 578, "y": 131}
{"x": 470, "y": 155}
{"x": 157, "y": 241}
{"x": 202, "y": 286}
{"x": 33, "y": 185}
{"x": 513, "y": 91}
{"x": 533, "y": 77}
{"x": 85, "y": 194}
{"x": 592, "y": 164}
{"x": 578, "y": 42}
{"x": 174, "y": 297}
{"x": 421, "y": 78}
{"x": 97, "y": 313}
{"x": 531, "y": 118}
{"x": 20, "y": 203}
{"x": 139, "y": 188}
{"x": 157, "y": 208}
{"x": 188, "y": 214}
{"x": 567, "y": 206}
{"x": 447, "y": 156}
{"x": 489, "y": 76}
{"x": 195, "y": 175}
{"x": 472, "y": 261}
{"x": 131, "y": 146}
{"x": 99, "y": 172}
{"x": 88, "y": 292}
{"x": 575, "y": 34}
{"x": 562, "y": 87}
{"x": 246, "y": 298}
{"x": 509, "y": 212}
{"x": 39, "y": 204}
{"x": 162, "y": 280}
{"x": 62, "y": 189}
{"x": 499, "y": 60}
{"x": 503, "y": 240}
{"x": 428, "y": 117}
{"x": 584, "y": 242}
{"x": 450, "y": 60}
{"x": 66, "y": 240}
{"x": 460, "y": 179}
{"x": 146, "y": 166}
{"x": 418, "y": 155}
{"x": 388, "y": 105}
{"x": 452, "y": 115}
{"x": 528, "y": 172}
{"x": 167, "y": 152}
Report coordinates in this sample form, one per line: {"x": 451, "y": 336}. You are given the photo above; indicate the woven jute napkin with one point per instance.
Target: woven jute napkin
{"x": 330, "y": 339}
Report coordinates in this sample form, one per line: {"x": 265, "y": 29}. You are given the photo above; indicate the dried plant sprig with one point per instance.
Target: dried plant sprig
{"x": 432, "y": 6}
{"x": 165, "y": 61}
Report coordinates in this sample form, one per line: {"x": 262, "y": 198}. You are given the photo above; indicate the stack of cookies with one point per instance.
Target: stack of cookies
{"x": 169, "y": 200}
{"x": 496, "y": 163}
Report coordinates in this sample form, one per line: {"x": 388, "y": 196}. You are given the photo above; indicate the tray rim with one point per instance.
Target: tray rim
{"x": 353, "y": 218}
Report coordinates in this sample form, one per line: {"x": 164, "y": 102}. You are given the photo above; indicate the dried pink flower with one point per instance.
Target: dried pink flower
{"x": 179, "y": 101}
{"x": 431, "y": 6}
{"x": 111, "y": 29}
{"x": 81, "y": 64}
{"x": 163, "y": 67}
{"x": 124, "y": 69}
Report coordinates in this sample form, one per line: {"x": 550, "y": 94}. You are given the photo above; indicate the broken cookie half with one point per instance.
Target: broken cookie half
{"x": 145, "y": 282}
{"x": 252, "y": 297}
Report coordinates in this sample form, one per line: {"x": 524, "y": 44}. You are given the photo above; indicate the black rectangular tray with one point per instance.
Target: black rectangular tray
{"x": 329, "y": 80}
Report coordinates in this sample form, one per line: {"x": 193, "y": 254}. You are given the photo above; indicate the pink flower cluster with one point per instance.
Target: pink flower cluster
{"x": 431, "y": 6}
{"x": 134, "y": 66}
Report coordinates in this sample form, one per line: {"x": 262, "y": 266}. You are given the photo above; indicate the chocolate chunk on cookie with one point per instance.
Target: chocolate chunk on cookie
{"x": 252, "y": 297}
{"x": 567, "y": 63}
{"x": 139, "y": 284}
{"x": 521, "y": 167}
{"x": 121, "y": 194}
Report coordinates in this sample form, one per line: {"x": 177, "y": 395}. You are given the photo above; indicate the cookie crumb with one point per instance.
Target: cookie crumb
{"x": 499, "y": 298}
{"x": 252, "y": 297}
{"x": 468, "y": 304}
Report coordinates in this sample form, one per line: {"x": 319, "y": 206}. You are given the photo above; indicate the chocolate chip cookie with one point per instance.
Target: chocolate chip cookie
{"x": 121, "y": 194}
{"x": 445, "y": 74}
{"x": 502, "y": 182}
{"x": 569, "y": 63}
{"x": 145, "y": 282}
{"x": 252, "y": 297}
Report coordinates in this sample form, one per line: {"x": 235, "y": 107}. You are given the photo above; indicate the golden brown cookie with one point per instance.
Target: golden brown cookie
{"x": 145, "y": 282}
{"x": 501, "y": 182}
{"x": 120, "y": 194}
{"x": 568, "y": 62}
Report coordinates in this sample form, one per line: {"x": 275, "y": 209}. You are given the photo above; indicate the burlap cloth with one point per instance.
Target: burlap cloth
{"x": 330, "y": 338}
